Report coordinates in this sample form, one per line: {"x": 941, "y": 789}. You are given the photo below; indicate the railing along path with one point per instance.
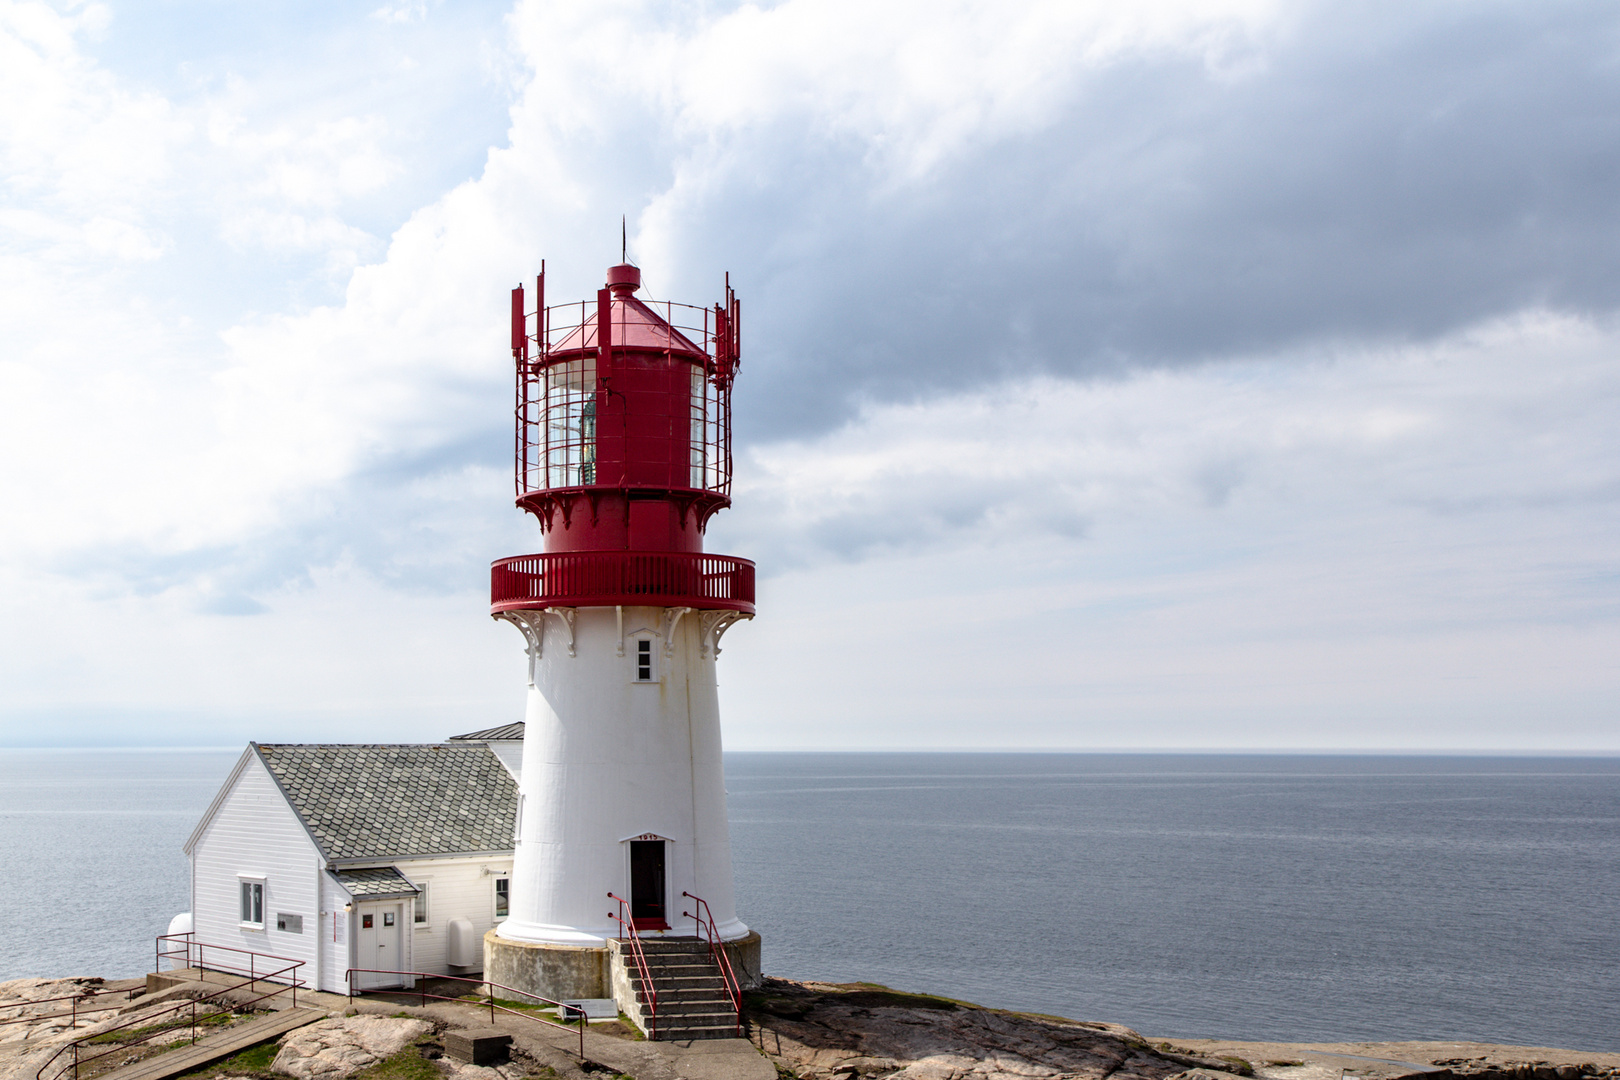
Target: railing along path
{"x": 717, "y": 949}
{"x": 72, "y": 1012}
{"x": 284, "y": 979}
{"x": 419, "y": 977}
{"x": 640, "y": 957}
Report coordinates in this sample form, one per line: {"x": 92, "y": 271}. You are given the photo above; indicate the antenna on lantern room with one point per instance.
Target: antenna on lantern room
{"x": 624, "y": 239}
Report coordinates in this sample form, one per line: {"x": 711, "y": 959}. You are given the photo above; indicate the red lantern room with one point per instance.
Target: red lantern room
{"x": 623, "y": 451}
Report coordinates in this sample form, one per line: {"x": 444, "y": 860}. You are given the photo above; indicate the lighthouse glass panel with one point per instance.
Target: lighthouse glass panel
{"x": 569, "y": 457}
{"x": 707, "y": 432}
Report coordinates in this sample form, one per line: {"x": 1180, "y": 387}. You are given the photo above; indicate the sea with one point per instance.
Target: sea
{"x": 1283, "y": 897}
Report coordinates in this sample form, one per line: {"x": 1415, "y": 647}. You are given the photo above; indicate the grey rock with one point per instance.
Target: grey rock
{"x": 827, "y": 1032}
{"x": 341, "y": 1046}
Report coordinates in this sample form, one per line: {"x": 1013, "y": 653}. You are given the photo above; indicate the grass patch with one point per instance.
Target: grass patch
{"x": 254, "y": 1061}
{"x": 884, "y": 998}
{"x": 408, "y": 1064}
{"x": 218, "y": 1019}
{"x": 548, "y": 1011}
{"x": 1237, "y": 1064}
{"x": 860, "y": 995}
{"x": 1050, "y": 1018}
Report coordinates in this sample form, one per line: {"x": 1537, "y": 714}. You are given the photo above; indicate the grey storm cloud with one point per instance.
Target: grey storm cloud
{"x": 1378, "y": 173}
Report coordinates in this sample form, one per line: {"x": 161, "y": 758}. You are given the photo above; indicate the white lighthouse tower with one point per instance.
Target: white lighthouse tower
{"x": 623, "y": 860}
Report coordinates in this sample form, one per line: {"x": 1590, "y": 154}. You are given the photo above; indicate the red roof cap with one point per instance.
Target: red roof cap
{"x": 624, "y": 279}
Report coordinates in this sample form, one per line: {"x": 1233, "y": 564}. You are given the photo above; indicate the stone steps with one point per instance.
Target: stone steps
{"x": 693, "y": 1000}
{"x": 668, "y": 995}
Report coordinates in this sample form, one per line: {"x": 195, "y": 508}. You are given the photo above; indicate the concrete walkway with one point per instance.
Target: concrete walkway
{"x": 700, "y": 1059}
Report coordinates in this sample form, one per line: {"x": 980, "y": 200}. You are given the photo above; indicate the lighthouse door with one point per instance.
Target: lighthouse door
{"x": 647, "y": 885}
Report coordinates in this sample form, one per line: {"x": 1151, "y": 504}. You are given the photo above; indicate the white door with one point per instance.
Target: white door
{"x": 377, "y": 945}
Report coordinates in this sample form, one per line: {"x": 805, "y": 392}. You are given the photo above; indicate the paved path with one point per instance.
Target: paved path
{"x": 699, "y": 1059}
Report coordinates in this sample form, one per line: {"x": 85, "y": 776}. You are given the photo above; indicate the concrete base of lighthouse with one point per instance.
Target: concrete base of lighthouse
{"x": 564, "y": 972}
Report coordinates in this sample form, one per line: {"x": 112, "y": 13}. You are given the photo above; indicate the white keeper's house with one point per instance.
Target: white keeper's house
{"x": 396, "y": 858}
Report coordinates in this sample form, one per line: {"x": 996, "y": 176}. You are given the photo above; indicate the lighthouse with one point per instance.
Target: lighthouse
{"x": 623, "y": 455}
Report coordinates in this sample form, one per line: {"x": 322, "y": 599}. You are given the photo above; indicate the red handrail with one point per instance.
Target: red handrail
{"x": 421, "y": 991}
{"x": 188, "y": 942}
{"x": 717, "y": 949}
{"x": 293, "y": 983}
{"x": 89, "y": 994}
{"x": 641, "y": 964}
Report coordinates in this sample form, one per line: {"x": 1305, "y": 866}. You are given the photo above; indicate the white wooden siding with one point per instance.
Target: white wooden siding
{"x": 334, "y": 925}
{"x": 456, "y": 887}
{"x": 254, "y": 831}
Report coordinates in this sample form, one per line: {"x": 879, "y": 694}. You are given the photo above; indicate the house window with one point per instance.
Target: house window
{"x": 253, "y": 904}
{"x": 421, "y": 903}
{"x": 644, "y": 660}
{"x": 503, "y": 897}
{"x": 289, "y": 924}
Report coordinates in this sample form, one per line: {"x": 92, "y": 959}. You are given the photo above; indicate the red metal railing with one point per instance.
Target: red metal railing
{"x": 285, "y": 979}
{"x": 75, "y": 1001}
{"x": 704, "y": 918}
{"x": 421, "y": 992}
{"x": 561, "y": 353}
{"x": 640, "y": 958}
{"x": 610, "y": 578}
{"x": 189, "y": 947}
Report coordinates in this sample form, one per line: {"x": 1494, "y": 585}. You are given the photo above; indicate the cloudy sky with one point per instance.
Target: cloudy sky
{"x": 1173, "y": 374}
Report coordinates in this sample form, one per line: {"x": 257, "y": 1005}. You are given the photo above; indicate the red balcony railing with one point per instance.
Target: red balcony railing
{"x": 610, "y": 578}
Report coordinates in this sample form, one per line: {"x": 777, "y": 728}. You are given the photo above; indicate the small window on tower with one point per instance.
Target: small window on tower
{"x": 503, "y": 897}
{"x": 644, "y": 660}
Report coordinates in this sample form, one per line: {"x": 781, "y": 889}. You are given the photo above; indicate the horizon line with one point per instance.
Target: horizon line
{"x": 1279, "y": 751}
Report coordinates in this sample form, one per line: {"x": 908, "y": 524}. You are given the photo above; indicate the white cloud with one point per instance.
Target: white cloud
{"x": 73, "y": 137}
{"x": 256, "y": 411}
{"x": 1436, "y": 426}
{"x": 106, "y": 236}
{"x": 1405, "y": 548}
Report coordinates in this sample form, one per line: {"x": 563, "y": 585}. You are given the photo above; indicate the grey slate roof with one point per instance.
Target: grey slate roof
{"x": 505, "y": 731}
{"x": 377, "y": 881}
{"x": 366, "y": 801}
